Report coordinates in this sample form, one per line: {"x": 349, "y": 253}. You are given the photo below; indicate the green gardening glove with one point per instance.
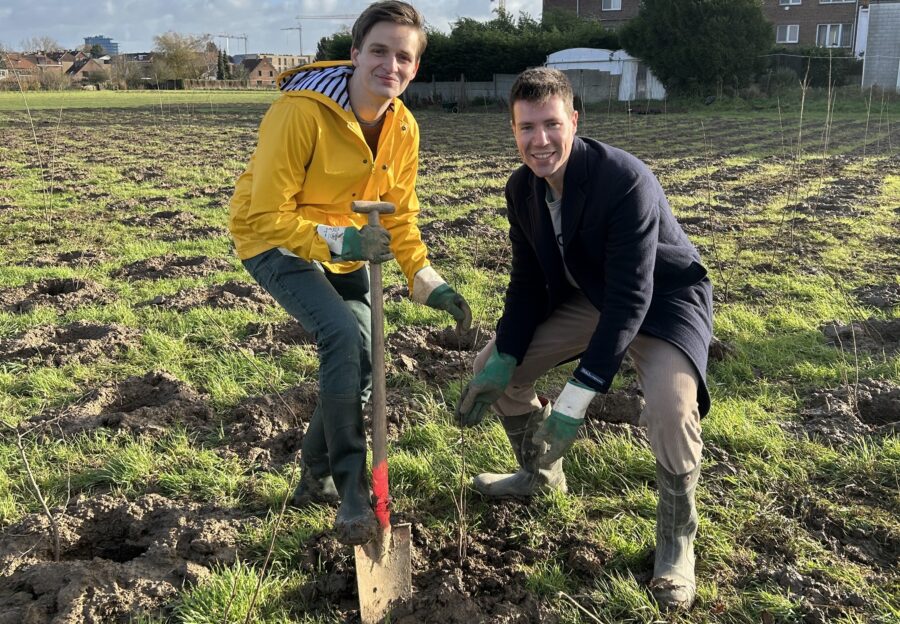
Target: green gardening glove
{"x": 561, "y": 428}
{"x": 445, "y": 298}
{"x": 485, "y": 388}
{"x": 371, "y": 242}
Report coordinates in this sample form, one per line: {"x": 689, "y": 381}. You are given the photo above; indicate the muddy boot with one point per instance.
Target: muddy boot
{"x": 316, "y": 484}
{"x": 530, "y": 479}
{"x": 342, "y": 418}
{"x": 673, "y": 585}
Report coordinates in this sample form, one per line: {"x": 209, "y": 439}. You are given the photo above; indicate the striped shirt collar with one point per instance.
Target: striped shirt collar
{"x": 332, "y": 82}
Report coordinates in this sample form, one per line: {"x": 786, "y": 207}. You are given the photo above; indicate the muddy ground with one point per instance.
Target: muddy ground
{"x": 122, "y": 556}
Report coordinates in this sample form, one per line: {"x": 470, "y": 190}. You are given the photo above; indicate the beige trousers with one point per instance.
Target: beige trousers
{"x": 667, "y": 378}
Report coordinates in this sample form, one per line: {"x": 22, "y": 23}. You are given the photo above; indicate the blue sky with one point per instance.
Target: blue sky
{"x": 133, "y": 23}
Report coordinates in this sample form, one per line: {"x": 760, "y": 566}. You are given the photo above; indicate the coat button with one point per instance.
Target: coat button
{"x": 365, "y": 161}
{"x": 384, "y": 167}
{"x": 402, "y": 128}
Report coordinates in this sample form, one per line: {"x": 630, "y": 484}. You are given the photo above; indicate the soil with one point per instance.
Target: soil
{"x": 174, "y": 225}
{"x": 487, "y": 586}
{"x": 431, "y": 354}
{"x": 870, "y": 336}
{"x": 69, "y": 259}
{"x": 171, "y": 266}
{"x": 61, "y": 294}
{"x": 150, "y": 404}
{"x": 275, "y": 338}
{"x": 840, "y": 415}
{"x": 883, "y": 296}
{"x": 76, "y": 342}
{"x": 116, "y": 558}
{"x": 231, "y": 295}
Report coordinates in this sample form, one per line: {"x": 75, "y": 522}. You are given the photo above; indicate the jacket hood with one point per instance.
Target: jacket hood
{"x": 326, "y": 78}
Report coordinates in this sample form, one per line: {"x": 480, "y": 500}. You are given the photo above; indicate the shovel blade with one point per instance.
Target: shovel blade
{"x": 384, "y": 573}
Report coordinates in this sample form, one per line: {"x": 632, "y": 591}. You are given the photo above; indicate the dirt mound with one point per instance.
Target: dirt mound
{"x": 267, "y": 430}
{"x": 883, "y": 296}
{"x": 151, "y": 404}
{"x": 75, "y": 342}
{"x": 117, "y": 558}
{"x": 231, "y": 295}
{"x": 172, "y": 225}
{"x": 617, "y": 406}
{"x": 435, "y": 355}
{"x": 275, "y": 339}
{"x": 61, "y": 294}
{"x": 489, "y": 586}
{"x": 69, "y": 259}
{"x": 839, "y": 415}
{"x": 487, "y": 237}
{"x": 873, "y": 336}
{"x": 172, "y": 266}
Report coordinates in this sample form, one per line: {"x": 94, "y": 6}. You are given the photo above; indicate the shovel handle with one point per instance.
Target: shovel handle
{"x": 379, "y": 403}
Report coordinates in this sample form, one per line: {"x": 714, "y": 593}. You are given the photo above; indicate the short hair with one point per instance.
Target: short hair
{"x": 394, "y": 11}
{"x": 539, "y": 84}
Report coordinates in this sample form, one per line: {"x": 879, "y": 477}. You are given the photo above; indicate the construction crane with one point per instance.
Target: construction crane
{"x": 501, "y": 5}
{"x": 299, "y": 26}
{"x": 227, "y": 37}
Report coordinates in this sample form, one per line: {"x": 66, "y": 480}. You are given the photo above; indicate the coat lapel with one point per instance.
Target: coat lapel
{"x": 544, "y": 238}
{"x": 574, "y": 191}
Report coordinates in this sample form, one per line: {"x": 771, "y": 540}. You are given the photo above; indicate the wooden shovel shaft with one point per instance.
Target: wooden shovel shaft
{"x": 380, "y": 487}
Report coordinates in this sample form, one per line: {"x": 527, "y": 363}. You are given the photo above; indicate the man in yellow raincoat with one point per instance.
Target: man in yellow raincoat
{"x": 339, "y": 134}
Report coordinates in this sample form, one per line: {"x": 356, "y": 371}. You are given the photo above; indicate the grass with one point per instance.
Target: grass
{"x": 772, "y": 499}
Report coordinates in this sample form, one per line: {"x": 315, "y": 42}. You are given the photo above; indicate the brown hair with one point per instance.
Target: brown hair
{"x": 539, "y": 84}
{"x": 394, "y": 11}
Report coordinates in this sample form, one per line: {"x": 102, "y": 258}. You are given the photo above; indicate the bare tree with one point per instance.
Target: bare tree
{"x": 179, "y": 56}
{"x": 40, "y": 43}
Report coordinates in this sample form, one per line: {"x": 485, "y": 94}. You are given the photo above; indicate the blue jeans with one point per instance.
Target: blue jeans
{"x": 335, "y": 308}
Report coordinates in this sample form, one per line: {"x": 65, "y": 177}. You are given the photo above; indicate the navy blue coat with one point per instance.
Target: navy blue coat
{"x": 624, "y": 249}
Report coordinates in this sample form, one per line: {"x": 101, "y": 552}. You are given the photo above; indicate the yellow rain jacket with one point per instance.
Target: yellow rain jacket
{"x": 310, "y": 163}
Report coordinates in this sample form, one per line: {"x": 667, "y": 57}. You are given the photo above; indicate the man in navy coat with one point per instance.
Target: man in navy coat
{"x": 600, "y": 268}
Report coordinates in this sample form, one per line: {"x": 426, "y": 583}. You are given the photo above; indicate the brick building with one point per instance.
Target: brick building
{"x": 260, "y": 72}
{"x": 613, "y": 13}
{"x": 823, "y": 23}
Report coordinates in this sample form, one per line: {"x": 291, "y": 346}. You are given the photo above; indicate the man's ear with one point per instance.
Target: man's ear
{"x": 354, "y": 52}
{"x": 574, "y": 122}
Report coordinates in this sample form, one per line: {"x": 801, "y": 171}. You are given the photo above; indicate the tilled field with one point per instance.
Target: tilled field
{"x": 160, "y": 397}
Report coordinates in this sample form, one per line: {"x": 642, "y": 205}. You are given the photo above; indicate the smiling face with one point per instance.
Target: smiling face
{"x": 384, "y": 64}
{"x": 544, "y": 133}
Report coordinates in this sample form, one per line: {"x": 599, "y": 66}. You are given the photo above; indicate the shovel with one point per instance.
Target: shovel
{"x": 383, "y": 566}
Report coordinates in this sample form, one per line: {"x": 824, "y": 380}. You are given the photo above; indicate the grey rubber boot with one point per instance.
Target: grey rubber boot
{"x": 316, "y": 483}
{"x": 530, "y": 479}
{"x": 355, "y": 522}
{"x": 673, "y": 585}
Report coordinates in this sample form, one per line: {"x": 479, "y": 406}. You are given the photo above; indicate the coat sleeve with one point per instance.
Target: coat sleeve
{"x": 287, "y": 139}
{"x": 406, "y": 239}
{"x": 527, "y": 298}
{"x": 628, "y": 276}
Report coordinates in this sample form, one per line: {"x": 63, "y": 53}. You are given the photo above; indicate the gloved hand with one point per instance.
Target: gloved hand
{"x": 371, "y": 242}
{"x": 485, "y": 388}
{"x": 445, "y": 298}
{"x": 561, "y": 427}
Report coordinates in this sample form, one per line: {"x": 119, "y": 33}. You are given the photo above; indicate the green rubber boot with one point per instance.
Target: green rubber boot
{"x": 316, "y": 483}
{"x": 530, "y": 479}
{"x": 355, "y": 522}
{"x": 673, "y": 585}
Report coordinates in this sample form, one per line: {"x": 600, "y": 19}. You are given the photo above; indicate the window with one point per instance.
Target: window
{"x": 270, "y": 73}
{"x": 833, "y": 35}
{"x": 787, "y": 33}
{"x": 611, "y": 5}
{"x": 836, "y": 1}
{"x": 259, "y": 73}
{"x": 791, "y": 2}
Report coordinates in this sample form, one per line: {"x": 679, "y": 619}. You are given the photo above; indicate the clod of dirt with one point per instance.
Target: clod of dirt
{"x": 618, "y": 406}
{"x": 231, "y": 295}
{"x": 151, "y": 404}
{"x": 267, "y": 430}
{"x": 838, "y": 416}
{"x": 872, "y": 336}
{"x": 117, "y": 558}
{"x": 884, "y": 296}
{"x": 275, "y": 339}
{"x": 61, "y": 294}
{"x": 172, "y": 225}
{"x": 69, "y": 259}
{"x": 720, "y": 350}
{"x": 435, "y": 355}
{"x": 76, "y": 342}
{"x": 171, "y": 266}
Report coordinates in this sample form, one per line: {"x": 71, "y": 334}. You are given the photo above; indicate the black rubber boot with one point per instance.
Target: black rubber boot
{"x": 530, "y": 479}
{"x": 316, "y": 484}
{"x": 673, "y": 585}
{"x": 343, "y": 422}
